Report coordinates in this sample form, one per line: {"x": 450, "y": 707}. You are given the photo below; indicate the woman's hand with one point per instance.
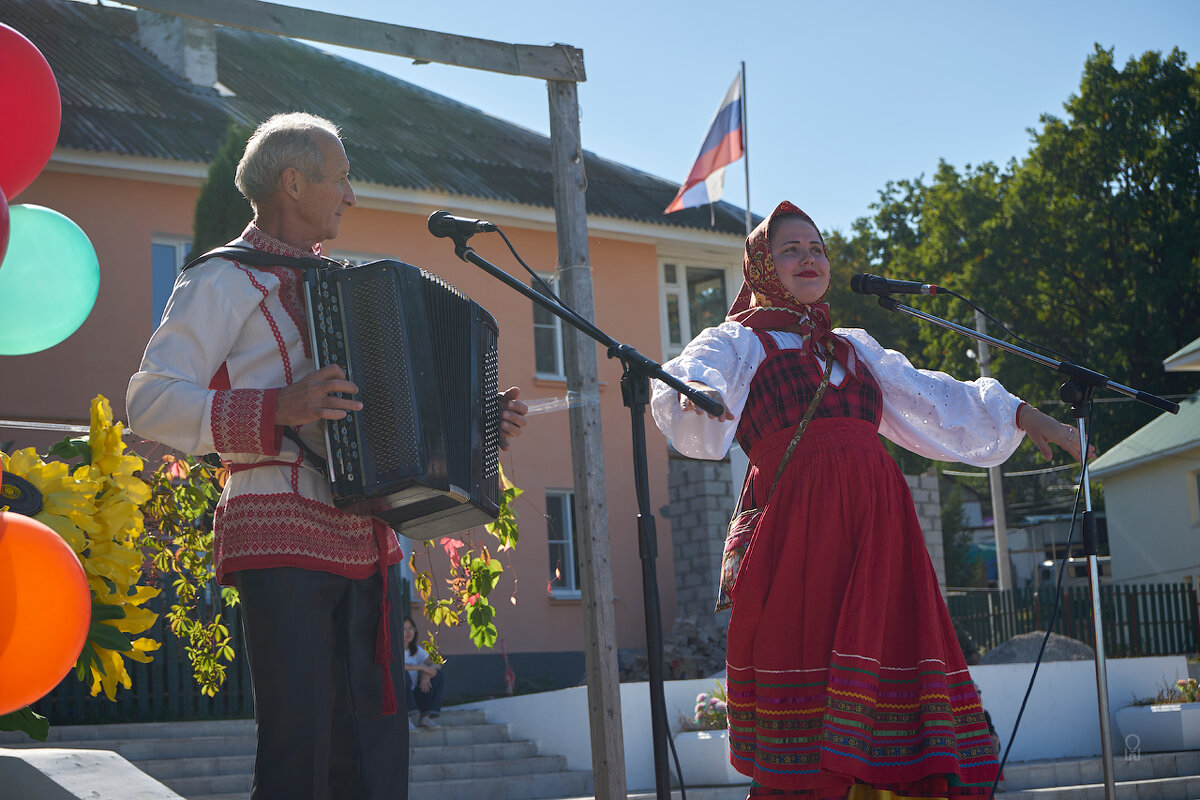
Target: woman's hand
{"x": 709, "y": 392}
{"x": 1043, "y": 430}
{"x": 426, "y": 682}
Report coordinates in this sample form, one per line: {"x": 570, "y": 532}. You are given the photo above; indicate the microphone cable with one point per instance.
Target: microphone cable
{"x": 1054, "y": 611}
{"x": 1002, "y": 326}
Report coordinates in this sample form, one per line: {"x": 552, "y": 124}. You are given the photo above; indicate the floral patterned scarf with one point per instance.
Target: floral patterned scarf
{"x": 765, "y": 303}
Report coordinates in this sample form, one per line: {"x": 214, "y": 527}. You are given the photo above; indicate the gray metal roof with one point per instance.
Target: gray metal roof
{"x": 1185, "y": 358}
{"x": 1167, "y": 435}
{"x": 118, "y": 99}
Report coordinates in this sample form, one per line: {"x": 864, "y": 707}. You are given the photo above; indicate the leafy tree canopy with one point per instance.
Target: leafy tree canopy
{"x": 1089, "y": 245}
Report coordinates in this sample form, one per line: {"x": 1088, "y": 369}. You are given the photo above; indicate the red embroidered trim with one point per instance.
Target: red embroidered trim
{"x": 290, "y": 293}
{"x": 269, "y": 244}
{"x": 237, "y": 421}
{"x": 258, "y": 531}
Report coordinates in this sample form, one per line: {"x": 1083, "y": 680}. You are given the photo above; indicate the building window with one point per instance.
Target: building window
{"x": 548, "y": 339}
{"x": 167, "y": 257}
{"x": 693, "y": 298}
{"x": 560, "y": 536}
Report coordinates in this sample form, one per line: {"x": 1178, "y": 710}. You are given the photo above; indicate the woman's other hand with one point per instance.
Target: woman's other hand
{"x": 709, "y": 392}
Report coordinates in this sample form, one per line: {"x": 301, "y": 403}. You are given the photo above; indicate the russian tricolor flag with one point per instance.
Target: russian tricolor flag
{"x": 722, "y": 146}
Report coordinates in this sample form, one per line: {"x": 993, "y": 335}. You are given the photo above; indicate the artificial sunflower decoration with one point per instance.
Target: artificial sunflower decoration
{"x": 95, "y": 508}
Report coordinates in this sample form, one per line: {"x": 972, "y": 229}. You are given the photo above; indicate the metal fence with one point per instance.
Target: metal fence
{"x": 1138, "y": 620}
{"x": 162, "y": 689}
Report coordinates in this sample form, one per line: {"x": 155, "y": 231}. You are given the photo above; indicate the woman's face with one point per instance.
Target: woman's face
{"x": 800, "y": 259}
{"x": 410, "y": 633}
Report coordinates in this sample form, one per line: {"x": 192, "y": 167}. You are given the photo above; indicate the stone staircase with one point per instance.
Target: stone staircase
{"x": 464, "y": 759}
{"x": 468, "y": 758}
{"x": 1147, "y": 776}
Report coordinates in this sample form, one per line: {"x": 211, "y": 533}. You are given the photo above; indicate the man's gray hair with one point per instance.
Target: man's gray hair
{"x": 284, "y": 140}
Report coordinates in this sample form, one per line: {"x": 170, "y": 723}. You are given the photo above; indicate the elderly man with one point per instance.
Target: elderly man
{"x": 227, "y": 371}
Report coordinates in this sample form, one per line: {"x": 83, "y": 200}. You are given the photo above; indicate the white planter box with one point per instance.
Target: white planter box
{"x": 1160, "y": 729}
{"x": 704, "y": 759}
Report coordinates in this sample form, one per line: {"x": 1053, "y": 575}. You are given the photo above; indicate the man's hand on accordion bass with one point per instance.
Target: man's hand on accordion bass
{"x": 313, "y": 397}
{"x": 512, "y": 415}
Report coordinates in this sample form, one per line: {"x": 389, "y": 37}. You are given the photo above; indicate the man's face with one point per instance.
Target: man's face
{"x": 322, "y": 202}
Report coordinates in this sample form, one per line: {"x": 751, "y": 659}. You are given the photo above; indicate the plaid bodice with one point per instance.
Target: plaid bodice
{"x": 785, "y": 384}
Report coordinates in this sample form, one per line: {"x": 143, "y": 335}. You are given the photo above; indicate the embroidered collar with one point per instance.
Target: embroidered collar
{"x": 256, "y": 238}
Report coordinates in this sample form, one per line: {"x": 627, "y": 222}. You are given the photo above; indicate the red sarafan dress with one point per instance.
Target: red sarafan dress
{"x": 844, "y": 671}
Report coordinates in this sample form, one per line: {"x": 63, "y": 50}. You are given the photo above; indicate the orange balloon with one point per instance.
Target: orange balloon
{"x": 45, "y": 610}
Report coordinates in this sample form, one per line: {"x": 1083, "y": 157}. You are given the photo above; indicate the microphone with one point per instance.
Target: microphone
{"x": 874, "y": 284}
{"x": 442, "y": 224}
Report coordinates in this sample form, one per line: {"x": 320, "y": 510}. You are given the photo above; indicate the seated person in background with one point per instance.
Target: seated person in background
{"x": 424, "y": 678}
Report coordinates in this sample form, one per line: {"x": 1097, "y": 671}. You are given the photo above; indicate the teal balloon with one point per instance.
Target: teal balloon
{"x": 48, "y": 280}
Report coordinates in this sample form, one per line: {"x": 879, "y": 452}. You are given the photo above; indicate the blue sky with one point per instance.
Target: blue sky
{"x": 842, "y": 97}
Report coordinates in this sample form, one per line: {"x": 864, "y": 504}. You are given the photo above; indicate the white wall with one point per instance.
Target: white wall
{"x": 1061, "y": 720}
{"x": 1153, "y": 521}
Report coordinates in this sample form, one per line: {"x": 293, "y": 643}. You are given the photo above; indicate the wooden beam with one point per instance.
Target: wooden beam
{"x": 587, "y": 451}
{"x": 558, "y": 62}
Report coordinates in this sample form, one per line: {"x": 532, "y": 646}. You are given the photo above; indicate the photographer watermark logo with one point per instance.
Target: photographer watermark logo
{"x": 1133, "y": 747}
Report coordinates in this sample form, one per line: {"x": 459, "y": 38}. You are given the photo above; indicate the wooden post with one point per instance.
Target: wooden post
{"x": 587, "y": 454}
{"x": 552, "y": 62}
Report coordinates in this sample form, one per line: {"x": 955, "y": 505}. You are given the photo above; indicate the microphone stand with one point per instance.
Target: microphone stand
{"x": 635, "y": 391}
{"x": 1081, "y": 383}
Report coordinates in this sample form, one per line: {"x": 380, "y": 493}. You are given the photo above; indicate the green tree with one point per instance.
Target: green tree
{"x": 1089, "y": 245}
{"x": 961, "y": 568}
{"x": 221, "y": 211}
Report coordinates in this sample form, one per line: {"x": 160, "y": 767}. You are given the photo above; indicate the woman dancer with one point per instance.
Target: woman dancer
{"x": 844, "y": 674}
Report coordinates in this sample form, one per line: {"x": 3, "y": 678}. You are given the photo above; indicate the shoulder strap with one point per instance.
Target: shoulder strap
{"x": 258, "y": 258}
{"x": 768, "y": 341}
{"x": 808, "y": 415}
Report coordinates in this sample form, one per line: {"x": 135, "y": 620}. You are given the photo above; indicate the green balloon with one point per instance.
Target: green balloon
{"x": 48, "y": 280}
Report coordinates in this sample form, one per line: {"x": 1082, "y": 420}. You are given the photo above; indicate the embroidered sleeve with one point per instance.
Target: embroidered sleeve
{"x": 937, "y": 416}
{"x": 243, "y": 421}
{"x": 169, "y": 399}
{"x": 724, "y": 358}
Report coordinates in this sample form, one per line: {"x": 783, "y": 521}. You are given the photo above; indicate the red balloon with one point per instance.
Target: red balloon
{"x": 3, "y": 225}
{"x": 32, "y": 112}
{"x": 45, "y": 610}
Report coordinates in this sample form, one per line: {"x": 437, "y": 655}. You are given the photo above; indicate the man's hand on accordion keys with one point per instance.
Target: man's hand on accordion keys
{"x": 314, "y": 397}
{"x": 512, "y": 415}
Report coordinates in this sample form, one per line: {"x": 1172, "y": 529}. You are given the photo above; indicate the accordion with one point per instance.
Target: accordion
{"x": 423, "y": 454}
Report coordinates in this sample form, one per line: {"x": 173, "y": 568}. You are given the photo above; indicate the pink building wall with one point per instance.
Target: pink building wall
{"x": 120, "y": 216}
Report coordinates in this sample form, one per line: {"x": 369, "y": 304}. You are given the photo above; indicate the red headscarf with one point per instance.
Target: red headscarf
{"x": 765, "y": 303}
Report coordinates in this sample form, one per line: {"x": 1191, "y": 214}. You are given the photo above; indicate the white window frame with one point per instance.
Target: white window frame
{"x": 567, "y": 585}
{"x": 556, "y": 325}
{"x": 678, "y": 290}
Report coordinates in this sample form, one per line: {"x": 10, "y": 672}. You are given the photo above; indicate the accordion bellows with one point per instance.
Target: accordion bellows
{"x": 423, "y": 454}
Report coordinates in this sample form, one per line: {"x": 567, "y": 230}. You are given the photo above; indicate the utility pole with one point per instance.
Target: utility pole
{"x": 995, "y": 479}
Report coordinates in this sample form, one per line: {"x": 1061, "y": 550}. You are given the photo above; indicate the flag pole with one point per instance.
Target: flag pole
{"x": 746, "y": 147}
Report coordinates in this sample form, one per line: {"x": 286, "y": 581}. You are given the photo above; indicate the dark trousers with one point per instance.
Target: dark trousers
{"x": 318, "y": 694}
{"x": 428, "y": 703}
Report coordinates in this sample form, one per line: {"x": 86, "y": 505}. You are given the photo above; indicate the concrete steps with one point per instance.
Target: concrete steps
{"x": 1152, "y": 776}
{"x": 463, "y": 759}
{"x": 1148, "y": 776}
{"x": 467, "y": 758}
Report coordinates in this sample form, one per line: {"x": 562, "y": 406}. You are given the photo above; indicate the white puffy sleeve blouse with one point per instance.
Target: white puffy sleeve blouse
{"x": 929, "y": 413}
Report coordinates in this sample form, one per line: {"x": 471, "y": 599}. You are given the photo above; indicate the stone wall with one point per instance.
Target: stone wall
{"x": 928, "y": 501}
{"x": 701, "y": 503}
